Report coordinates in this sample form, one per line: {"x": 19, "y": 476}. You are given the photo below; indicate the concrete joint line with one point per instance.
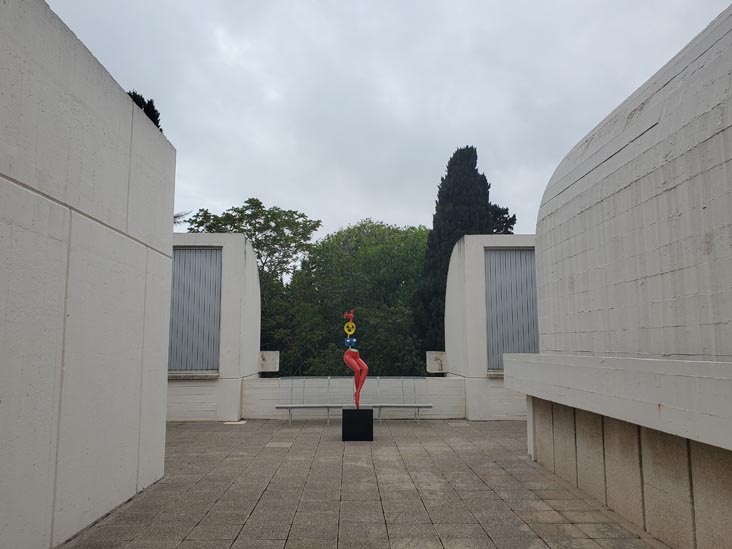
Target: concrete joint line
{"x": 60, "y": 386}
{"x": 642, "y": 480}
{"x": 691, "y": 492}
{"x": 82, "y": 214}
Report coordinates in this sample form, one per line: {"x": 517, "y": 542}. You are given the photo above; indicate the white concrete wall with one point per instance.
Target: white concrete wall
{"x": 220, "y": 399}
{"x": 684, "y": 398}
{"x": 634, "y": 255}
{"x": 634, "y": 274}
{"x": 260, "y": 395}
{"x": 633, "y": 247}
{"x": 86, "y": 202}
{"x": 466, "y": 332}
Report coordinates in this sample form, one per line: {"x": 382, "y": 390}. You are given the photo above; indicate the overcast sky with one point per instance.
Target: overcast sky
{"x": 351, "y": 109}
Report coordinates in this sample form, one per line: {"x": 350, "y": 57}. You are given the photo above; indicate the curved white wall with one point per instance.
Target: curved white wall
{"x": 465, "y": 328}
{"x": 630, "y": 395}
{"x": 634, "y": 245}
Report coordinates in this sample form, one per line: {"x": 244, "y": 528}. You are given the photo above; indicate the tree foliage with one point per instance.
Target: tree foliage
{"x": 280, "y": 237}
{"x": 463, "y": 207}
{"x": 372, "y": 267}
{"x": 147, "y": 106}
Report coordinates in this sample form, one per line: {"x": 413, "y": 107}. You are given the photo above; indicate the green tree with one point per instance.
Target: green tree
{"x": 281, "y": 239}
{"x": 147, "y": 106}
{"x": 463, "y": 207}
{"x": 374, "y": 268}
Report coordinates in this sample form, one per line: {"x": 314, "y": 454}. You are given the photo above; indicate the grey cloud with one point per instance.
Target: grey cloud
{"x": 347, "y": 109}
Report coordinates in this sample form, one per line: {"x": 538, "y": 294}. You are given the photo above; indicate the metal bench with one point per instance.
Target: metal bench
{"x": 291, "y": 407}
{"x": 328, "y": 407}
{"x": 417, "y": 408}
{"x": 404, "y": 405}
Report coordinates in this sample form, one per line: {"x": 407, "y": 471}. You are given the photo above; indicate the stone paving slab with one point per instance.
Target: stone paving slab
{"x": 267, "y": 484}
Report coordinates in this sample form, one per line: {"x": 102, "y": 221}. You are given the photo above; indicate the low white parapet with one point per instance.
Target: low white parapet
{"x": 261, "y": 395}
{"x": 684, "y": 398}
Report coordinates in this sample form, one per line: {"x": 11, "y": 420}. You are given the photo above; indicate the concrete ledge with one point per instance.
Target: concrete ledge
{"x": 190, "y": 375}
{"x": 684, "y": 398}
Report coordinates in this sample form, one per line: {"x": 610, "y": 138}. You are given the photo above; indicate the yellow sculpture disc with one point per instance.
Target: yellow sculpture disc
{"x": 349, "y": 328}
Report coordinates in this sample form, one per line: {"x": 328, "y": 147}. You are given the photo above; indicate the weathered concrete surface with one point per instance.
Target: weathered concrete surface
{"x": 667, "y": 488}
{"x": 632, "y": 250}
{"x": 565, "y": 450}
{"x": 634, "y": 262}
{"x": 34, "y": 240}
{"x": 432, "y": 484}
{"x": 623, "y": 476}
{"x": 86, "y": 190}
{"x": 543, "y": 432}
{"x": 711, "y": 471}
{"x": 590, "y": 454}
{"x": 689, "y": 399}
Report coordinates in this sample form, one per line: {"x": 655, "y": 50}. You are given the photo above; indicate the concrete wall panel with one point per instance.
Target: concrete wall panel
{"x": 689, "y": 399}
{"x": 667, "y": 487}
{"x": 623, "y": 476}
{"x": 33, "y": 248}
{"x": 64, "y": 122}
{"x": 565, "y": 449}
{"x": 98, "y": 451}
{"x": 487, "y": 399}
{"x": 232, "y": 283}
{"x": 154, "y": 380}
{"x": 250, "y": 316}
{"x": 712, "y": 478}
{"x": 590, "y": 454}
{"x": 73, "y": 304}
{"x": 543, "y": 432}
{"x": 192, "y": 400}
{"x": 152, "y": 174}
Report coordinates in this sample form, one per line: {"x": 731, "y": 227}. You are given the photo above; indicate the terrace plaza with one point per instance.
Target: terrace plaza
{"x": 437, "y": 483}
{"x": 137, "y": 409}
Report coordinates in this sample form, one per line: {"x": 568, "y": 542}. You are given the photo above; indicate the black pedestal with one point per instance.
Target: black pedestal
{"x": 358, "y": 424}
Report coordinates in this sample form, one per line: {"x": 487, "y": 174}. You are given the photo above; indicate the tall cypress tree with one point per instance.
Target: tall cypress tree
{"x": 463, "y": 207}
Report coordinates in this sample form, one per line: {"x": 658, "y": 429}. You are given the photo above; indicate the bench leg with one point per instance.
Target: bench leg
{"x": 327, "y": 416}
{"x": 380, "y": 410}
{"x": 289, "y": 421}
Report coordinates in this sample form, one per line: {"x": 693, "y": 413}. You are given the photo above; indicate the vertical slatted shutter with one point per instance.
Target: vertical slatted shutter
{"x": 510, "y": 300}
{"x": 195, "y": 316}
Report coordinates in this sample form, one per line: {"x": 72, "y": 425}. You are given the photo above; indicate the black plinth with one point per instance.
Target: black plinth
{"x": 358, "y": 424}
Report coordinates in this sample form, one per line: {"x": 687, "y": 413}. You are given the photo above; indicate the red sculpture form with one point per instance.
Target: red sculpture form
{"x": 352, "y": 358}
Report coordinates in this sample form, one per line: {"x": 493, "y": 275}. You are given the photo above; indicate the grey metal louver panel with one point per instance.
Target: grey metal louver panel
{"x": 510, "y": 301}
{"x": 195, "y": 315}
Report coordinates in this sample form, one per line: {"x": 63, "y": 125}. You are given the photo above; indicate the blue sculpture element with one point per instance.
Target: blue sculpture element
{"x": 350, "y": 342}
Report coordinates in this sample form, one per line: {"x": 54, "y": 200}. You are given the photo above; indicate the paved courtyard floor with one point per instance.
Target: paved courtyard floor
{"x": 435, "y": 484}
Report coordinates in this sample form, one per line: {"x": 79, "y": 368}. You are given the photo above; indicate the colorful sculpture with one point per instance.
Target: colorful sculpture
{"x": 352, "y": 358}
